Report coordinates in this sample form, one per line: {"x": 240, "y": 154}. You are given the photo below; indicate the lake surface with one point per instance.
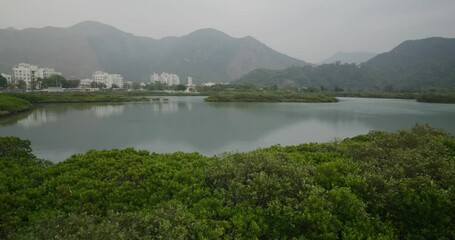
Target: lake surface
{"x": 189, "y": 124}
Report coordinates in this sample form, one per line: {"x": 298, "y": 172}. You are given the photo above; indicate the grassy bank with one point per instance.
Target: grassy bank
{"x": 270, "y": 97}
{"x": 375, "y": 94}
{"x": 10, "y": 105}
{"x": 437, "y": 98}
{"x": 376, "y": 186}
{"x": 69, "y": 97}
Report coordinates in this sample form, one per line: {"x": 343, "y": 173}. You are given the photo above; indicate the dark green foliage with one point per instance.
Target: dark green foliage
{"x": 375, "y": 186}
{"x": 180, "y": 87}
{"x": 59, "y": 81}
{"x": 270, "y": 97}
{"x": 3, "y": 82}
{"x": 20, "y": 178}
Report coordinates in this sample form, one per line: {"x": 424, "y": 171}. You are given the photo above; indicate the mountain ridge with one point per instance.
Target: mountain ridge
{"x": 413, "y": 64}
{"x": 77, "y": 51}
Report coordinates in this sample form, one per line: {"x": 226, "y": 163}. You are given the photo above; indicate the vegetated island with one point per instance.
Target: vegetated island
{"x": 270, "y": 97}
{"x": 421, "y": 95}
{"x": 440, "y": 96}
{"x": 11, "y": 103}
{"x": 376, "y": 186}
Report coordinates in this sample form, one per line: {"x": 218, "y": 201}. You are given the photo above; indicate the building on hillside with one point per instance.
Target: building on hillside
{"x": 108, "y": 79}
{"x": 166, "y": 78}
{"x": 190, "y": 82}
{"x": 7, "y": 77}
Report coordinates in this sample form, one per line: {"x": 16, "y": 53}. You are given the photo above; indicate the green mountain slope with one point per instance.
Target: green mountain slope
{"x": 422, "y": 63}
{"x": 418, "y": 64}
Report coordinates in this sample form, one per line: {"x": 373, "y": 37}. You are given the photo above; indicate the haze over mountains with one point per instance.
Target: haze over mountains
{"x": 349, "y": 57}
{"x": 414, "y": 64}
{"x": 79, "y": 50}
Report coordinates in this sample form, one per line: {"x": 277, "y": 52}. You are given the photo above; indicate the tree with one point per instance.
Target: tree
{"x": 180, "y": 87}
{"x": 3, "y": 82}
{"x": 135, "y": 85}
{"x": 53, "y": 81}
{"x": 70, "y": 83}
{"x": 21, "y": 84}
{"x": 97, "y": 85}
{"x": 126, "y": 85}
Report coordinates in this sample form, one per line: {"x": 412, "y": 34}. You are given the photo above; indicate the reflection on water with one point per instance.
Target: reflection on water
{"x": 170, "y": 107}
{"x": 38, "y": 118}
{"x": 190, "y": 124}
{"x": 106, "y": 111}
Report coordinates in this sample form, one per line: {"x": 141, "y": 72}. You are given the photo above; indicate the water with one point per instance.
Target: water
{"x": 189, "y": 124}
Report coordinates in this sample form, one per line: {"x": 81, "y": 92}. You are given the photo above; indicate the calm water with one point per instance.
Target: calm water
{"x": 189, "y": 124}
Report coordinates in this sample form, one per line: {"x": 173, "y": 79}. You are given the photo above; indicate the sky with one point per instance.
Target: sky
{"x": 311, "y": 30}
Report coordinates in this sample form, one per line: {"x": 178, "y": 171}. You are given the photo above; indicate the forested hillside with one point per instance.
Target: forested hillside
{"x": 419, "y": 64}
{"x": 375, "y": 186}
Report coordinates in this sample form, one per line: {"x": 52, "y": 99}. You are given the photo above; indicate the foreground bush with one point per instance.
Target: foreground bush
{"x": 375, "y": 186}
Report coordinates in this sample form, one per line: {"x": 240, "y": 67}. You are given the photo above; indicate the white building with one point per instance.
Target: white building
{"x": 166, "y": 78}
{"x": 208, "y": 84}
{"x": 7, "y": 77}
{"x": 154, "y": 78}
{"x": 24, "y": 72}
{"x": 29, "y": 73}
{"x": 190, "y": 82}
{"x": 116, "y": 79}
{"x": 85, "y": 83}
{"x": 108, "y": 79}
{"x": 100, "y": 77}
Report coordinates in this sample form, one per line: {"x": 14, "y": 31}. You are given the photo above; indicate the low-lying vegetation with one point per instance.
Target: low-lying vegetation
{"x": 376, "y": 186}
{"x": 437, "y": 98}
{"x": 66, "y": 97}
{"x": 10, "y": 105}
{"x": 270, "y": 97}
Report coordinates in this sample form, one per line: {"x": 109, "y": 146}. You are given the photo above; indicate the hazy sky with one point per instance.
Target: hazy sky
{"x": 310, "y": 30}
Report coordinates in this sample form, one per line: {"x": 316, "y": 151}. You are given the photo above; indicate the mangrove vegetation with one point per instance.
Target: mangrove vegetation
{"x": 380, "y": 185}
{"x": 270, "y": 97}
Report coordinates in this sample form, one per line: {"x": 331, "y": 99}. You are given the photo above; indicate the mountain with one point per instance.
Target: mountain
{"x": 349, "y": 57}
{"x": 428, "y": 63}
{"x": 79, "y": 50}
{"x": 414, "y": 64}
